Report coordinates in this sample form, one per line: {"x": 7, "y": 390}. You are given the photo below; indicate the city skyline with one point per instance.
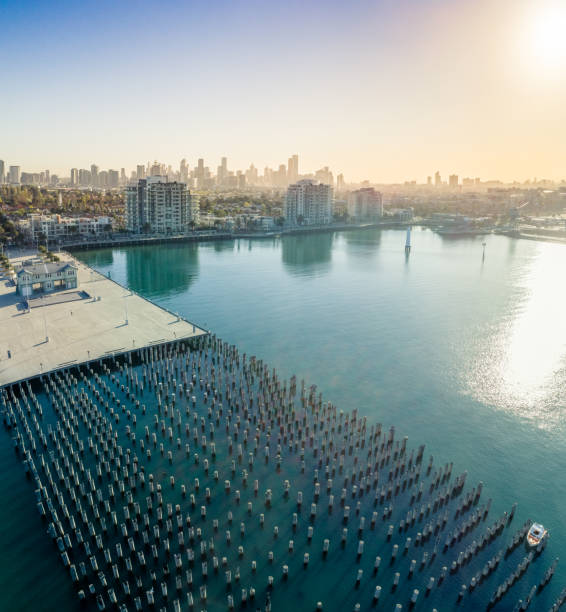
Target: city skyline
{"x": 203, "y": 176}
{"x": 378, "y": 91}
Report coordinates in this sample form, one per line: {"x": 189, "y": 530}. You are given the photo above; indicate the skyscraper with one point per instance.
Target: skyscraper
{"x": 85, "y": 177}
{"x": 309, "y": 203}
{"x": 140, "y": 171}
{"x": 2, "y": 172}
{"x": 453, "y": 180}
{"x": 159, "y": 206}
{"x": 157, "y": 169}
{"x": 324, "y": 175}
{"x": 74, "y": 177}
{"x": 94, "y": 175}
{"x": 183, "y": 171}
{"x": 14, "y": 175}
{"x": 437, "y": 179}
{"x": 222, "y": 172}
{"x": 293, "y": 169}
{"x": 113, "y": 178}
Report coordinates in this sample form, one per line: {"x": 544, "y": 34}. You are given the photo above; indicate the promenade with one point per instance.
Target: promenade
{"x": 96, "y": 320}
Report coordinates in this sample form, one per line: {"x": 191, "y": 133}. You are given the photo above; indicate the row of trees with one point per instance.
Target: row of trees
{"x": 27, "y": 198}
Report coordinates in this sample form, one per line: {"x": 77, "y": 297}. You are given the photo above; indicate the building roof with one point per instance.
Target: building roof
{"x": 46, "y": 268}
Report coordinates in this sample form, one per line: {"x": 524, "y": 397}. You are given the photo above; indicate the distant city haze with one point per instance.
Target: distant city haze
{"x": 385, "y": 90}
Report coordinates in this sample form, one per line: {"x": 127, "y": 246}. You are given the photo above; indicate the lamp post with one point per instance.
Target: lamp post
{"x": 45, "y": 325}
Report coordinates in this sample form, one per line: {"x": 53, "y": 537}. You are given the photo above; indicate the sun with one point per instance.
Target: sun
{"x": 548, "y": 37}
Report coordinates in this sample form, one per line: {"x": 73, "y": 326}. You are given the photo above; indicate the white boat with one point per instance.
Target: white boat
{"x": 536, "y": 534}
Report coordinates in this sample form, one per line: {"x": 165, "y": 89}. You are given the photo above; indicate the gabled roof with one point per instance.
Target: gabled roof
{"x": 46, "y": 268}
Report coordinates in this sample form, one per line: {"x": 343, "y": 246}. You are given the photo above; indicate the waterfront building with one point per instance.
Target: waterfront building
{"x": 365, "y": 205}
{"x": 45, "y": 277}
{"x": 14, "y": 175}
{"x": 402, "y": 215}
{"x": 57, "y": 228}
{"x": 308, "y": 202}
{"x": 158, "y": 206}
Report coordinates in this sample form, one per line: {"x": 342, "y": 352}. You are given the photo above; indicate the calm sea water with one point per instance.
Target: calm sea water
{"x": 461, "y": 352}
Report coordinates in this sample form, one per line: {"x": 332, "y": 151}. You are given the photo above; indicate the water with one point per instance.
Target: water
{"x": 462, "y": 353}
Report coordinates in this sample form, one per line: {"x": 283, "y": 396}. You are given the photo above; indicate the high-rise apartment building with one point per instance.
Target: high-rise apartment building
{"x": 158, "y": 206}
{"x": 14, "y": 175}
{"x": 74, "y": 177}
{"x": 453, "y": 180}
{"x": 140, "y": 171}
{"x": 365, "y": 204}
{"x": 437, "y": 179}
{"x": 2, "y": 172}
{"x": 308, "y": 203}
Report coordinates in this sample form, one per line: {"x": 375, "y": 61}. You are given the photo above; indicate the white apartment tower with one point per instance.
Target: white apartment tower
{"x": 308, "y": 202}
{"x": 365, "y": 204}
{"x": 159, "y": 206}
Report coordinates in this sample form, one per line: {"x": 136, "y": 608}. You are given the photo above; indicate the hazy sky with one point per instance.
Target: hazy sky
{"x": 388, "y": 90}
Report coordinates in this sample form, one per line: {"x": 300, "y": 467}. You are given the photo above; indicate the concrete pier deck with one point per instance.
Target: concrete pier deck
{"x": 68, "y": 331}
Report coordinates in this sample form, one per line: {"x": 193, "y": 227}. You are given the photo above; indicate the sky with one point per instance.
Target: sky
{"x": 385, "y": 90}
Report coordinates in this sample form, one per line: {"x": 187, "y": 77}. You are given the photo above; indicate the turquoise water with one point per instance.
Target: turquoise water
{"x": 462, "y": 353}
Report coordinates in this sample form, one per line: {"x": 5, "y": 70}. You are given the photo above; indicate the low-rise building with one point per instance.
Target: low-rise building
{"x": 45, "y": 278}
{"x": 58, "y": 228}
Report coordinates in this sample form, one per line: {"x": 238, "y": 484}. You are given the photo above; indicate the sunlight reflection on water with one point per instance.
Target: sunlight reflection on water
{"x": 526, "y": 360}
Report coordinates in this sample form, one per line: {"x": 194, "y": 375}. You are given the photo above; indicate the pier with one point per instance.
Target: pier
{"x": 98, "y": 319}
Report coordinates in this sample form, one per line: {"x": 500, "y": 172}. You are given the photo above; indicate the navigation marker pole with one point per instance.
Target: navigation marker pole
{"x": 408, "y": 241}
